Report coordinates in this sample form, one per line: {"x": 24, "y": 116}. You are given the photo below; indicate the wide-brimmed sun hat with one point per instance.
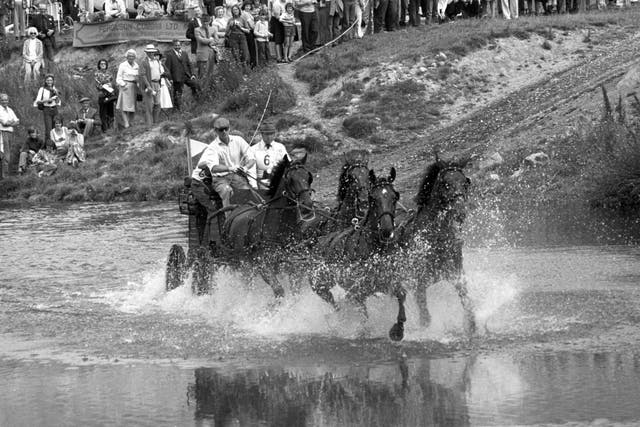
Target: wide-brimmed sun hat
{"x": 84, "y": 99}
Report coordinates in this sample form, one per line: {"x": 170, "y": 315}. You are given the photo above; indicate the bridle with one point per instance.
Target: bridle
{"x": 348, "y": 169}
{"x": 440, "y": 180}
{"x": 293, "y": 196}
{"x": 391, "y": 213}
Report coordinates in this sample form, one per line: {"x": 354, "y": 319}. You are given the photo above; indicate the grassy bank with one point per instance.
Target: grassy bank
{"x": 138, "y": 163}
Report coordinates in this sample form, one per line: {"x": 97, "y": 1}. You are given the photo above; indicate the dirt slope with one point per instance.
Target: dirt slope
{"x": 532, "y": 94}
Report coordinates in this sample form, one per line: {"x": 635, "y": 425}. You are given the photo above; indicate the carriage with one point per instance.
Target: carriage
{"x": 377, "y": 254}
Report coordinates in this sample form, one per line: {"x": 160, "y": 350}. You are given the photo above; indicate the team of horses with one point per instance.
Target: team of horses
{"x": 369, "y": 243}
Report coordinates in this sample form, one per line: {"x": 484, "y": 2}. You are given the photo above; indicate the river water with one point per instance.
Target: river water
{"x": 89, "y": 337}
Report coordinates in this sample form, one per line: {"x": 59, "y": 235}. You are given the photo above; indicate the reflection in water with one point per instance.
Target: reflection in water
{"x": 383, "y": 395}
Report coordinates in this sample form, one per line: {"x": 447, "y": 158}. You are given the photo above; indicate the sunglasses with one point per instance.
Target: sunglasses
{"x": 223, "y": 129}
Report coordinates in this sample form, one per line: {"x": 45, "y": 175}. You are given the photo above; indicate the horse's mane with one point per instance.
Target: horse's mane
{"x": 429, "y": 181}
{"x": 276, "y": 176}
{"x": 351, "y": 158}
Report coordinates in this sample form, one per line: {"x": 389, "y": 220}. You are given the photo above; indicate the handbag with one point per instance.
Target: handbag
{"x": 40, "y": 105}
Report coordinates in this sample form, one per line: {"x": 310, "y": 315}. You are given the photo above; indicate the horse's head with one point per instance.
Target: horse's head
{"x": 293, "y": 182}
{"x": 444, "y": 190}
{"x": 382, "y": 204}
{"x": 353, "y": 186}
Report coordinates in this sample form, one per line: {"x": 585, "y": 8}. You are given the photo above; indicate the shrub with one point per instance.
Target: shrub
{"x": 360, "y": 125}
{"x": 616, "y": 173}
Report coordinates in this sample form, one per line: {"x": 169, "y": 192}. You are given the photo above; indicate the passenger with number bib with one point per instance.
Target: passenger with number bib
{"x": 267, "y": 153}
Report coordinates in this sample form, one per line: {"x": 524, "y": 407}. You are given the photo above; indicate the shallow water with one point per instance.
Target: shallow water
{"x": 89, "y": 337}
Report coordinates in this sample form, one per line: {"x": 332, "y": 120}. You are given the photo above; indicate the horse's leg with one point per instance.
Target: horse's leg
{"x": 397, "y": 330}
{"x": 321, "y": 284}
{"x": 421, "y": 299}
{"x": 467, "y": 305}
{"x": 270, "y": 275}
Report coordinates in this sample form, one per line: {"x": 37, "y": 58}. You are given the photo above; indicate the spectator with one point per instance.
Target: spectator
{"x": 150, "y": 73}
{"x": 60, "y": 137}
{"x": 178, "y": 67}
{"x": 8, "y": 120}
{"x": 194, "y": 22}
{"x": 247, "y": 14}
{"x": 176, "y": 8}
{"x": 336, "y": 12}
{"x": 206, "y": 41}
{"x": 114, "y": 9}
{"x": 165, "y": 87}
{"x": 127, "y": 79}
{"x": 45, "y": 160}
{"x": 19, "y": 19}
{"x": 32, "y": 56}
{"x": 228, "y": 4}
{"x": 324, "y": 21}
{"x": 210, "y": 6}
{"x": 45, "y": 25}
{"x": 277, "y": 28}
{"x": 262, "y": 34}
{"x": 308, "y": 23}
{"x": 86, "y": 118}
{"x": 385, "y": 16}
{"x": 29, "y": 149}
{"x": 4, "y": 11}
{"x": 289, "y": 23}
{"x": 219, "y": 24}
{"x": 76, "y": 153}
{"x": 349, "y": 17}
{"x": 108, "y": 94}
{"x": 48, "y": 101}
{"x": 237, "y": 28}
{"x": 149, "y": 9}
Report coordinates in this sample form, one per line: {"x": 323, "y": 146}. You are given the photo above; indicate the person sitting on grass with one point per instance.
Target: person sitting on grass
{"x": 29, "y": 149}
{"x": 60, "y": 137}
{"x": 45, "y": 160}
{"x": 76, "y": 153}
{"x": 87, "y": 117}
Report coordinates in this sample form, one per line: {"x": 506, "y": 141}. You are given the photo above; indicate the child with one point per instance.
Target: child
{"x": 262, "y": 34}
{"x": 289, "y": 23}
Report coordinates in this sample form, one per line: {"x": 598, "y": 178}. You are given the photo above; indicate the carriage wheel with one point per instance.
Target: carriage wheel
{"x": 201, "y": 264}
{"x": 176, "y": 267}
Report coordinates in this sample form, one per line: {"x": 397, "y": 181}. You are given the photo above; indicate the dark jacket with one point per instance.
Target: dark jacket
{"x": 144, "y": 74}
{"x": 91, "y": 113}
{"x": 190, "y": 34}
{"x": 43, "y": 23}
{"x": 32, "y": 144}
{"x": 178, "y": 68}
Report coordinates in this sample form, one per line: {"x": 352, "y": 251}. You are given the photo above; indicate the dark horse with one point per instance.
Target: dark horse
{"x": 352, "y": 198}
{"x": 357, "y": 257}
{"x": 430, "y": 240}
{"x": 256, "y": 232}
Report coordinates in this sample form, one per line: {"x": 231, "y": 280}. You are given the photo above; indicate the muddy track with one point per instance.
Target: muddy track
{"x": 523, "y": 111}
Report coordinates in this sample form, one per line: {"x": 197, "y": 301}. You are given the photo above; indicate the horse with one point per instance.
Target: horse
{"x": 429, "y": 239}
{"x": 352, "y": 198}
{"x": 358, "y": 256}
{"x": 252, "y": 233}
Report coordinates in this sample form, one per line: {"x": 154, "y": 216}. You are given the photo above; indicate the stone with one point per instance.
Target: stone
{"x": 490, "y": 162}
{"x": 536, "y": 159}
{"x": 517, "y": 174}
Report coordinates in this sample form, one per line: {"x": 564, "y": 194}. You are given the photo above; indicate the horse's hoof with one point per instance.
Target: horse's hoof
{"x": 396, "y": 333}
